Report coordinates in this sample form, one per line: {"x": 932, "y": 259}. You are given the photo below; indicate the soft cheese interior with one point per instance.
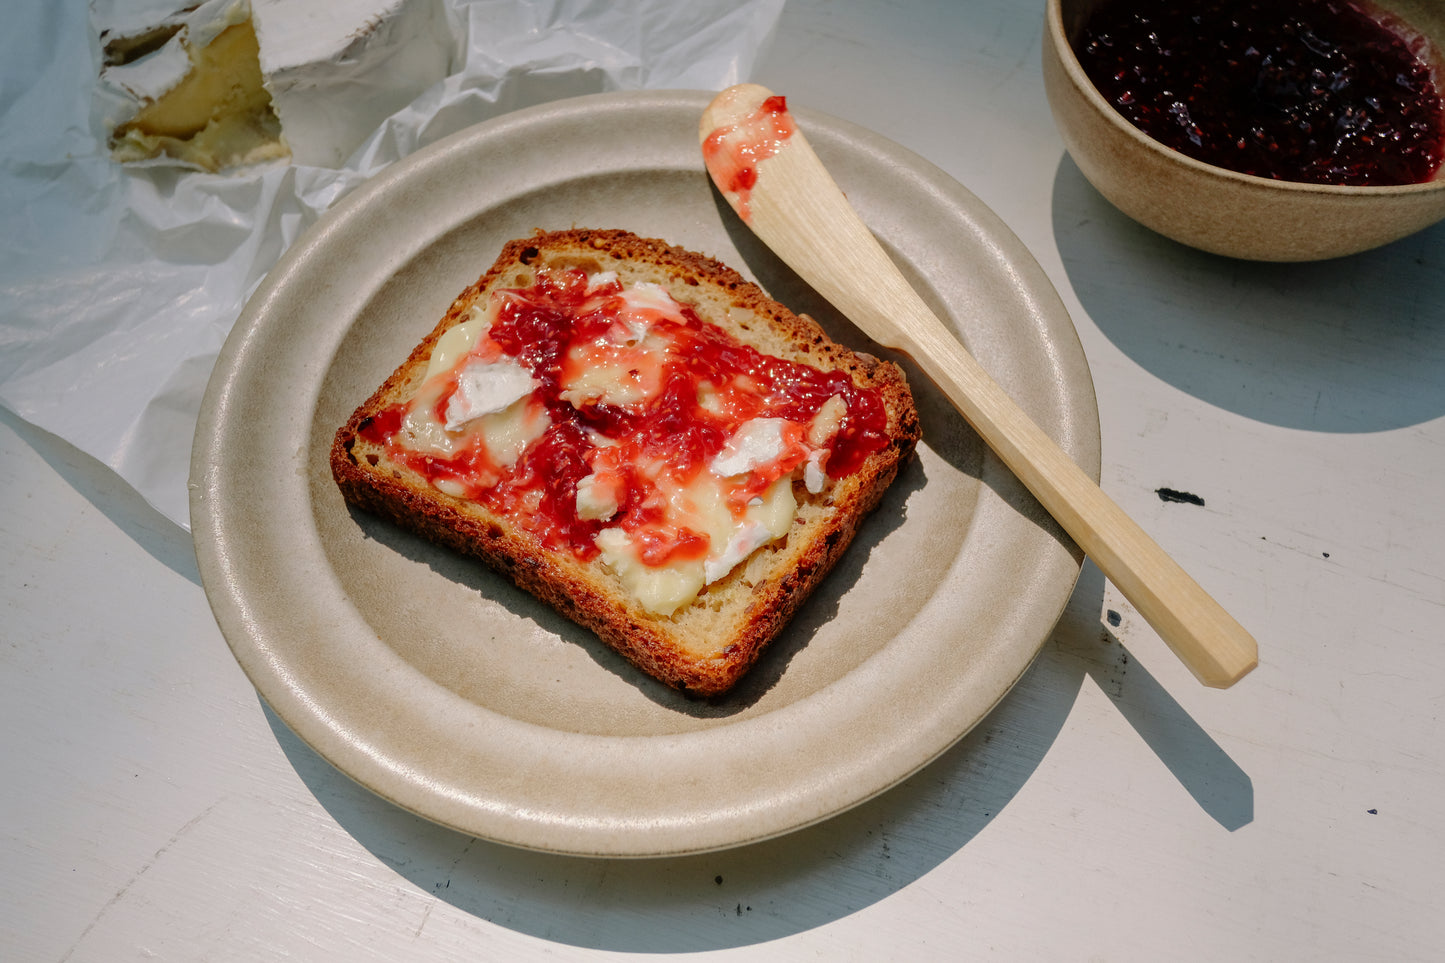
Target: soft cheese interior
{"x": 190, "y": 88}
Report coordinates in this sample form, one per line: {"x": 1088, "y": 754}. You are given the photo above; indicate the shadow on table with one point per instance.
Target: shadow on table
{"x": 1202, "y": 767}
{"x": 161, "y": 538}
{"x": 819, "y": 874}
{"x": 1355, "y": 344}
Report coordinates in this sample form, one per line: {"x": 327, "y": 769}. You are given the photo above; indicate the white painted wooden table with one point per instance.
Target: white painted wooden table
{"x": 1110, "y": 809}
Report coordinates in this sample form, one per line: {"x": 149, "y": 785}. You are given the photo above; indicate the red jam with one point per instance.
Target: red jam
{"x": 732, "y": 153}
{"x": 1315, "y": 91}
{"x": 547, "y": 327}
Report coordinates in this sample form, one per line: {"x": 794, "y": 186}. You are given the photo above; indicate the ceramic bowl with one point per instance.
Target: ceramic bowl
{"x": 1213, "y": 208}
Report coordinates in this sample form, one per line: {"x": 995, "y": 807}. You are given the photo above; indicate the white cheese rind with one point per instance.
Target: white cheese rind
{"x": 647, "y": 297}
{"x": 336, "y": 70}
{"x": 746, "y": 538}
{"x": 596, "y": 500}
{"x": 149, "y": 78}
{"x": 132, "y": 18}
{"x": 492, "y": 399}
{"x": 756, "y": 444}
{"x": 486, "y": 387}
{"x": 814, "y": 478}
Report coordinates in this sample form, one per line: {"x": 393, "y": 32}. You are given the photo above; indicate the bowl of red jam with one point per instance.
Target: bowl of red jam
{"x": 1272, "y": 130}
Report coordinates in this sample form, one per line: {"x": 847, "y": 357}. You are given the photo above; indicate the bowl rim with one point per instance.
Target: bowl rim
{"x": 1064, "y": 51}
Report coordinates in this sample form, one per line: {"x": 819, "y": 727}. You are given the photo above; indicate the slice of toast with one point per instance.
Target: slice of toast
{"x": 552, "y": 417}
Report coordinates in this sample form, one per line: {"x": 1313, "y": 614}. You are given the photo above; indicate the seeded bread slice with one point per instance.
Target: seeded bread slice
{"x": 706, "y": 646}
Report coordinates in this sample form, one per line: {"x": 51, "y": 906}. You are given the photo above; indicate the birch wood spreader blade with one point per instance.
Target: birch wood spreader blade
{"x": 767, "y": 171}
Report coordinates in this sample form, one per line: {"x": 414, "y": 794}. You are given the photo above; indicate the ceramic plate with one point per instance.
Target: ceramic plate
{"x": 441, "y": 687}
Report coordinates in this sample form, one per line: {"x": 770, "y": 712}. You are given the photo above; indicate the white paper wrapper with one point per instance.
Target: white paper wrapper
{"x": 118, "y": 286}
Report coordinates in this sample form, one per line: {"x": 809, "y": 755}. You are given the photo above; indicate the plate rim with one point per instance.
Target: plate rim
{"x": 310, "y": 723}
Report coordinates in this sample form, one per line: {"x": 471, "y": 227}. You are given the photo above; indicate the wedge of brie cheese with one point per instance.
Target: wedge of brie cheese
{"x": 230, "y": 82}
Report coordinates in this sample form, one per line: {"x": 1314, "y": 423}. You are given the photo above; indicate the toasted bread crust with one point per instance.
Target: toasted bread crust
{"x": 708, "y": 645}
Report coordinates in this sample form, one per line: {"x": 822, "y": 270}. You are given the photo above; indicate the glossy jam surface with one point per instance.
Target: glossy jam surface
{"x": 732, "y": 153}
{"x": 698, "y": 386}
{"x": 1315, "y": 91}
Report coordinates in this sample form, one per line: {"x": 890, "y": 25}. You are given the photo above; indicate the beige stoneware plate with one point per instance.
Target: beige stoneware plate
{"x": 442, "y": 688}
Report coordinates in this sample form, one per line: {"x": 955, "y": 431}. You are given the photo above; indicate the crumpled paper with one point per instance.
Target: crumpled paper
{"x": 118, "y": 286}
